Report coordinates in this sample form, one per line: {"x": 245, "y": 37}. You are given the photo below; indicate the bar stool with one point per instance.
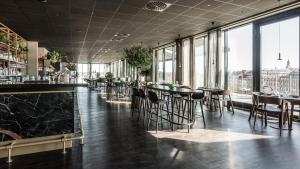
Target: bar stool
{"x": 135, "y": 102}
{"x": 143, "y": 102}
{"x": 180, "y": 101}
{"x": 197, "y": 98}
{"x": 156, "y": 107}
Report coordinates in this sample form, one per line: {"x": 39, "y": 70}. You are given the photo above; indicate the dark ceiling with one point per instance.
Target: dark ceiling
{"x": 83, "y": 29}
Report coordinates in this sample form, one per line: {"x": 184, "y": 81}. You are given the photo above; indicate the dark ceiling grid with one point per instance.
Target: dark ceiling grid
{"x": 87, "y": 29}
{"x": 107, "y": 24}
{"x": 134, "y": 31}
{"x": 64, "y": 22}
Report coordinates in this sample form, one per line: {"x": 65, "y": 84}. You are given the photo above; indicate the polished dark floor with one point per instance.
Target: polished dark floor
{"x": 114, "y": 140}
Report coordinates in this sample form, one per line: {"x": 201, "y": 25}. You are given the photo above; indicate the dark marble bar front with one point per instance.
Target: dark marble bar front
{"x": 37, "y": 110}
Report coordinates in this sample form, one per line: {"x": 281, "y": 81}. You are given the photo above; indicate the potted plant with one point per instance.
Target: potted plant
{"x": 171, "y": 86}
{"x": 139, "y": 57}
{"x": 53, "y": 55}
{"x": 109, "y": 76}
{"x": 3, "y": 37}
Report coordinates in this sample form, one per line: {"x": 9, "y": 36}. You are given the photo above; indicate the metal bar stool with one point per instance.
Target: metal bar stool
{"x": 135, "y": 102}
{"x": 156, "y": 107}
{"x": 143, "y": 102}
{"x": 197, "y": 98}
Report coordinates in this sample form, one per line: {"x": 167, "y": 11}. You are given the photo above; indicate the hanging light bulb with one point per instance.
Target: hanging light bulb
{"x": 279, "y": 39}
{"x": 213, "y": 59}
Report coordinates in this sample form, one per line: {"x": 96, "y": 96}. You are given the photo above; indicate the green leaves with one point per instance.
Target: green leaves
{"x": 53, "y": 55}
{"x": 109, "y": 76}
{"x": 3, "y": 37}
{"x": 139, "y": 57}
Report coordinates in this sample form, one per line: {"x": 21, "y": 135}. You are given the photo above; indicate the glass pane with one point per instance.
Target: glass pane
{"x": 186, "y": 62}
{"x": 199, "y": 62}
{"x": 160, "y": 66}
{"x": 212, "y": 61}
{"x": 280, "y": 72}
{"x": 169, "y": 65}
{"x": 239, "y": 50}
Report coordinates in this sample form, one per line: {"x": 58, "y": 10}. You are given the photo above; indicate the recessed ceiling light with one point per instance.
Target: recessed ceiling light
{"x": 208, "y": 5}
{"x": 157, "y": 6}
{"x": 42, "y": 0}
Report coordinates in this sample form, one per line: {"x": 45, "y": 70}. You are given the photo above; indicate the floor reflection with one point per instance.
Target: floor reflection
{"x": 208, "y": 135}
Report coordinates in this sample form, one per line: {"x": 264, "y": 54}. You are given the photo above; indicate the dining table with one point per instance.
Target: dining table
{"x": 173, "y": 91}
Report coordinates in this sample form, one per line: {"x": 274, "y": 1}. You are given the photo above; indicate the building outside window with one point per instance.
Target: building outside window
{"x": 238, "y": 48}
{"x": 280, "y": 56}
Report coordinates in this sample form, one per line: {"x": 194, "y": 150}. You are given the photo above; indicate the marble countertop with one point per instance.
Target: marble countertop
{"x": 37, "y": 87}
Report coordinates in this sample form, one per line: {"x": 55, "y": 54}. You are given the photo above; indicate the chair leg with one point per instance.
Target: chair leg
{"x": 183, "y": 111}
{"x": 280, "y": 122}
{"x": 161, "y": 116}
{"x": 203, "y": 118}
{"x": 149, "y": 116}
{"x": 157, "y": 111}
{"x": 255, "y": 119}
{"x": 232, "y": 106}
{"x": 266, "y": 119}
{"x": 219, "y": 104}
{"x": 251, "y": 113}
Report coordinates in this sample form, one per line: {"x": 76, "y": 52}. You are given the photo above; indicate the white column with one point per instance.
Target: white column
{"x": 32, "y": 58}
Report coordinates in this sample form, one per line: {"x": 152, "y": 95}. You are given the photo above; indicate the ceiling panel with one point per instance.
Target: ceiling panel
{"x": 83, "y": 28}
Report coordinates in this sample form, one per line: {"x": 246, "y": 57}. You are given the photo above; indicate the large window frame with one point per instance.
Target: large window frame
{"x": 257, "y": 43}
{"x": 163, "y": 60}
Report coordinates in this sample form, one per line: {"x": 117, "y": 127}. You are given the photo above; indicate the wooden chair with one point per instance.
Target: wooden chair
{"x": 254, "y": 104}
{"x": 222, "y": 96}
{"x": 293, "y": 103}
{"x": 269, "y": 104}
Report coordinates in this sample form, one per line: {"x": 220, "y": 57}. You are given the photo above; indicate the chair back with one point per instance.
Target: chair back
{"x": 142, "y": 93}
{"x": 295, "y": 101}
{"x": 184, "y": 87}
{"x": 135, "y": 92}
{"x": 265, "y": 100}
{"x": 198, "y": 96}
{"x": 152, "y": 96}
{"x": 267, "y": 89}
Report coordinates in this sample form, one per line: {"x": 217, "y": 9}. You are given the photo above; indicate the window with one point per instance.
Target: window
{"x": 199, "y": 64}
{"x": 238, "y": 49}
{"x": 160, "y": 66}
{"x": 280, "y": 56}
{"x": 212, "y": 58}
{"x": 186, "y": 63}
{"x": 83, "y": 72}
{"x": 170, "y": 65}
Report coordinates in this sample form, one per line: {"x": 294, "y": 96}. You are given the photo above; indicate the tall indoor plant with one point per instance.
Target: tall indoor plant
{"x": 139, "y": 57}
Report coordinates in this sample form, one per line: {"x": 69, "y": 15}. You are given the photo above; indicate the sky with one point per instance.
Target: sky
{"x": 240, "y": 44}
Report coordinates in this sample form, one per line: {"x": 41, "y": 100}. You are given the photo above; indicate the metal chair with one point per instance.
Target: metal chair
{"x": 155, "y": 108}
{"x": 135, "y": 102}
{"x": 197, "y": 98}
{"x": 143, "y": 103}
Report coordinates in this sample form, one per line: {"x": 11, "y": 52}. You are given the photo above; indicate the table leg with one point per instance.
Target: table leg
{"x": 172, "y": 111}
{"x": 189, "y": 113}
{"x": 210, "y": 100}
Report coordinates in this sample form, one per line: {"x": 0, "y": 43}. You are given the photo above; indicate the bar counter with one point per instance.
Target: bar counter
{"x": 29, "y": 111}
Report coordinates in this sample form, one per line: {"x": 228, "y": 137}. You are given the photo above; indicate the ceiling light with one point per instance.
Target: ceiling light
{"x": 42, "y": 0}
{"x": 120, "y": 37}
{"x": 157, "y": 6}
{"x": 208, "y": 5}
